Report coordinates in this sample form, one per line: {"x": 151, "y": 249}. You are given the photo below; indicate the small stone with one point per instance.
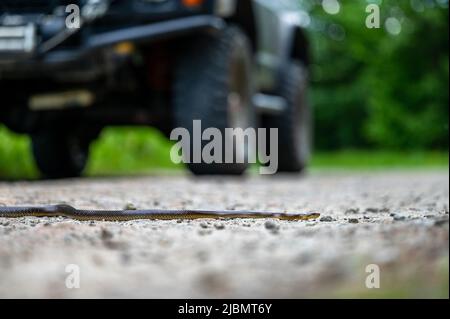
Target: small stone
{"x": 270, "y": 225}
{"x": 202, "y": 256}
{"x": 67, "y": 239}
{"x": 106, "y": 234}
{"x": 303, "y": 258}
{"x": 441, "y": 222}
{"x": 205, "y": 232}
{"x": 326, "y": 219}
{"x": 219, "y": 226}
{"x": 114, "y": 245}
{"x": 204, "y": 225}
{"x": 352, "y": 211}
{"x": 130, "y": 206}
{"x": 353, "y": 221}
{"x": 372, "y": 210}
{"x": 125, "y": 258}
{"x": 398, "y": 218}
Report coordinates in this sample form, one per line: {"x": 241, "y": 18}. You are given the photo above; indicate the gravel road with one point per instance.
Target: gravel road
{"x": 396, "y": 220}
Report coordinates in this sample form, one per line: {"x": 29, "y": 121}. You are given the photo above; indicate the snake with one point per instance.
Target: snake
{"x": 70, "y": 212}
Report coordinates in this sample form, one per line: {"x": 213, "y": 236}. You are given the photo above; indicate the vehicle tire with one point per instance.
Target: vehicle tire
{"x": 59, "y": 155}
{"x": 295, "y": 122}
{"x": 214, "y": 84}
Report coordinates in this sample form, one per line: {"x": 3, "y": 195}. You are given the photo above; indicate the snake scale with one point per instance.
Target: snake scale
{"x": 153, "y": 214}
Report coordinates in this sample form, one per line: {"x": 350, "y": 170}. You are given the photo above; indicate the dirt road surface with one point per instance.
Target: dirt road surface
{"x": 397, "y": 221}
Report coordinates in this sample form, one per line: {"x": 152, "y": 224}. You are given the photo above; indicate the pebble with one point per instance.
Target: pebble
{"x": 441, "y": 222}
{"x": 275, "y": 231}
{"x": 114, "y": 245}
{"x": 130, "y": 206}
{"x": 398, "y": 218}
{"x": 270, "y": 225}
{"x": 326, "y": 219}
{"x": 106, "y": 234}
{"x": 352, "y": 211}
{"x": 204, "y": 232}
{"x": 219, "y": 226}
{"x": 125, "y": 258}
{"x": 353, "y": 221}
{"x": 67, "y": 239}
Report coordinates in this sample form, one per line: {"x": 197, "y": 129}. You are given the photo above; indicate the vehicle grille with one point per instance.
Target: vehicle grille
{"x": 31, "y": 6}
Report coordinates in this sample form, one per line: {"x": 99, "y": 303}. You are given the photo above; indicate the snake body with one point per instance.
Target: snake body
{"x": 153, "y": 214}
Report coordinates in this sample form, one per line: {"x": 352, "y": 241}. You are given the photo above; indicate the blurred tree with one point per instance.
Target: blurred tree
{"x": 385, "y": 87}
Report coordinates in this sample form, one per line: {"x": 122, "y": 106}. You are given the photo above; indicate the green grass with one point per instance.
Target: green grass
{"x": 357, "y": 159}
{"x": 130, "y": 151}
{"x": 15, "y": 158}
{"x": 118, "y": 151}
{"x": 408, "y": 282}
{"x": 125, "y": 151}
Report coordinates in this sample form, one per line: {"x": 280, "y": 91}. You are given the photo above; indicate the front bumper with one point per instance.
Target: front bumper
{"x": 96, "y": 41}
{"x": 79, "y": 57}
{"x": 114, "y": 27}
{"x": 137, "y": 34}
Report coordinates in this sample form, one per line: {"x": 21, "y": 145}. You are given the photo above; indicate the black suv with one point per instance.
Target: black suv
{"x": 69, "y": 68}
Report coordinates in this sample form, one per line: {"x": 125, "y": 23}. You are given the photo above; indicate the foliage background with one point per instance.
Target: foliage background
{"x": 380, "y": 95}
{"x": 381, "y": 88}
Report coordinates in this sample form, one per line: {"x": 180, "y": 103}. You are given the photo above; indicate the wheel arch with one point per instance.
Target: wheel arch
{"x": 244, "y": 16}
{"x": 299, "y": 46}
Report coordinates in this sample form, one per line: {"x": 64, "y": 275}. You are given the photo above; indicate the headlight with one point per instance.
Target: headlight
{"x": 192, "y": 3}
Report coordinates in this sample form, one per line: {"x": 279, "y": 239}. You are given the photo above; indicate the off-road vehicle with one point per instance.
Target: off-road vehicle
{"x": 68, "y": 68}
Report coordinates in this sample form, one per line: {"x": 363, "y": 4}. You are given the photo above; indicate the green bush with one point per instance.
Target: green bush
{"x": 373, "y": 88}
{"x": 15, "y": 156}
